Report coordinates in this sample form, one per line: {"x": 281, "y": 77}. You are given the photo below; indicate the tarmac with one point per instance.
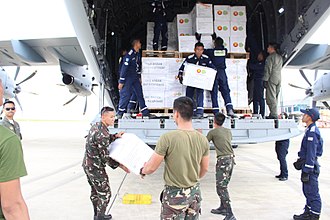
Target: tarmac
{"x": 56, "y": 187}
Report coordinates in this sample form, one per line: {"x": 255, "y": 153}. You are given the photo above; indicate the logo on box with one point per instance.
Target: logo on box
{"x": 220, "y": 12}
{"x": 201, "y": 71}
{"x": 186, "y": 20}
{"x": 236, "y": 13}
{"x": 224, "y": 28}
{"x": 238, "y": 44}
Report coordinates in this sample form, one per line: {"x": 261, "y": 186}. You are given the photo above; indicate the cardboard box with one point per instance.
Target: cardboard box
{"x": 203, "y": 25}
{"x": 187, "y": 43}
{"x": 207, "y": 41}
{"x": 237, "y": 45}
{"x": 226, "y": 43}
{"x": 221, "y": 12}
{"x": 222, "y": 28}
{"x": 154, "y": 98}
{"x": 198, "y": 76}
{"x": 202, "y": 11}
{"x": 238, "y": 29}
{"x": 184, "y": 25}
{"x": 238, "y": 13}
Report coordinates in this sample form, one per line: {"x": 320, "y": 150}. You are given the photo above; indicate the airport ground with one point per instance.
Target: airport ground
{"x": 56, "y": 187}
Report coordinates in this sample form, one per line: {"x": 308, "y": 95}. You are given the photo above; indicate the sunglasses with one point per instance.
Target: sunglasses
{"x": 8, "y": 109}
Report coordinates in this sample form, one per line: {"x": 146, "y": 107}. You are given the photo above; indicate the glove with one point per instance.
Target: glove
{"x": 180, "y": 77}
{"x": 299, "y": 163}
{"x": 304, "y": 177}
{"x": 265, "y": 84}
{"x": 198, "y": 36}
{"x": 214, "y": 36}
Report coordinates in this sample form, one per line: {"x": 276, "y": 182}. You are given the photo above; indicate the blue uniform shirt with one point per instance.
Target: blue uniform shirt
{"x": 131, "y": 67}
{"x": 218, "y": 56}
{"x": 311, "y": 147}
{"x": 203, "y": 61}
{"x": 257, "y": 69}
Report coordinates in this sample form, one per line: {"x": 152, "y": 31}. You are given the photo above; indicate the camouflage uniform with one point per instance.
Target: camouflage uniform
{"x": 181, "y": 203}
{"x": 224, "y": 170}
{"x": 13, "y": 127}
{"x": 95, "y": 160}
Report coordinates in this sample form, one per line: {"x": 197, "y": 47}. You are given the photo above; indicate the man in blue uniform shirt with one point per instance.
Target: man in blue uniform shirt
{"x": 311, "y": 148}
{"x": 130, "y": 81}
{"x": 218, "y": 57}
{"x": 201, "y": 59}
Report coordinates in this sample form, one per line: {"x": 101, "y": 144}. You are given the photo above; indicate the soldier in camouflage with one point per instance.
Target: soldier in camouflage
{"x": 8, "y": 121}
{"x": 221, "y": 138}
{"x": 95, "y": 160}
{"x": 186, "y": 155}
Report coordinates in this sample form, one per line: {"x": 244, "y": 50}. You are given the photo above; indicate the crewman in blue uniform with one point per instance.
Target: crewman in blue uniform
{"x": 201, "y": 59}
{"x": 218, "y": 57}
{"x": 130, "y": 81}
{"x": 257, "y": 71}
{"x": 311, "y": 148}
{"x": 160, "y": 24}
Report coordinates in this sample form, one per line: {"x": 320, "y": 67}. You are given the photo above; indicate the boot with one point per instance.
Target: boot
{"x": 304, "y": 216}
{"x": 229, "y": 215}
{"x": 220, "y": 211}
{"x": 231, "y": 113}
{"x": 103, "y": 217}
{"x": 314, "y": 216}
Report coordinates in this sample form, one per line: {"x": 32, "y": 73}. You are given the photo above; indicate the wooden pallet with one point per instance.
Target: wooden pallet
{"x": 206, "y": 110}
{"x": 238, "y": 55}
{"x": 161, "y": 54}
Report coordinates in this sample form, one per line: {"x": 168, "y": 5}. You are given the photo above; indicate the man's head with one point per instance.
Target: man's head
{"x": 272, "y": 48}
{"x": 9, "y": 109}
{"x": 136, "y": 44}
{"x": 261, "y": 56}
{"x": 1, "y": 92}
{"x": 183, "y": 108}
{"x": 219, "y": 119}
{"x": 199, "y": 49}
{"x": 218, "y": 42}
{"x": 310, "y": 115}
{"x": 108, "y": 116}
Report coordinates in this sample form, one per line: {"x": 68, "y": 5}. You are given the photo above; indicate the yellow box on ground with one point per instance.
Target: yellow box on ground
{"x": 143, "y": 199}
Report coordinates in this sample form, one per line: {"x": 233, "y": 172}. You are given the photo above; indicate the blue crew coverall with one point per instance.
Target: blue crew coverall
{"x": 160, "y": 25}
{"x": 130, "y": 75}
{"x": 312, "y": 148}
{"x": 204, "y": 60}
{"x": 257, "y": 68}
{"x": 218, "y": 57}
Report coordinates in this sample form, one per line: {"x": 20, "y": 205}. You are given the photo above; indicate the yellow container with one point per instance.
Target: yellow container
{"x": 144, "y": 199}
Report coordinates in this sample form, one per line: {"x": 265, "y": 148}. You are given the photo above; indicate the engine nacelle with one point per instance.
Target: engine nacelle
{"x": 67, "y": 79}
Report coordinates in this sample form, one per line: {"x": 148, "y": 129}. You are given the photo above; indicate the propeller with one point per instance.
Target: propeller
{"x": 304, "y": 76}
{"x": 70, "y": 100}
{"x": 85, "y": 108}
{"x": 27, "y": 78}
{"x": 298, "y": 87}
{"x": 326, "y": 105}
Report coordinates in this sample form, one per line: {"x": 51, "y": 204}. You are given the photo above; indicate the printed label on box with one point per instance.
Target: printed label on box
{"x": 222, "y": 12}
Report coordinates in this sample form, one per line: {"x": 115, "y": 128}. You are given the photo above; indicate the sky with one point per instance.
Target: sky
{"x": 49, "y": 18}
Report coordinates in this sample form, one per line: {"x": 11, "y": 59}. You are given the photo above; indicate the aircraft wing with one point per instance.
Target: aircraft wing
{"x": 312, "y": 56}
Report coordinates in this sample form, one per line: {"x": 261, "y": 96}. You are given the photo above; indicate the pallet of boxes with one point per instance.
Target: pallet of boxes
{"x": 159, "y": 83}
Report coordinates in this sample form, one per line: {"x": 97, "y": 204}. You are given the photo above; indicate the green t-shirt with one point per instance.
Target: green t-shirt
{"x": 221, "y": 138}
{"x": 183, "y": 151}
{"x": 11, "y": 158}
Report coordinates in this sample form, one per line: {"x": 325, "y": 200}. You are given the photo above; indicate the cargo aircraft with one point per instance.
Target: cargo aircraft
{"x": 103, "y": 27}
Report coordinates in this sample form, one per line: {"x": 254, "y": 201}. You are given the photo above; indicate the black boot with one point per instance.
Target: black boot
{"x": 95, "y": 210}
{"x": 229, "y": 215}
{"x": 220, "y": 211}
{"x": 314, "y": 216}
{"x": 304, "y": 216}
{"x": 104, "y": 217}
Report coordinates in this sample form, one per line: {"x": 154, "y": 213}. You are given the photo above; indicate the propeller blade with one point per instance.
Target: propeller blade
{"x": 304, "y": 76}
{"x": 315, "y": 74}
{"x": 18, "y": 102}
{"x": 313, "y": 104}
{"x": 298, "y": 87}
{"x": 60, "y": 84}
{"x": 27, "y": 78}
{"x": 85, "y": 108}
{"x": 17, "y": 71}
{"x": 70, "y": 100}
{"x": 93, "y": 85}
{"x": 326, "y": 105}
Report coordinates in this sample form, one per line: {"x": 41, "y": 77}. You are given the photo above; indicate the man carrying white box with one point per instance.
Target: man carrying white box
{"x": 198, "y": 58}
